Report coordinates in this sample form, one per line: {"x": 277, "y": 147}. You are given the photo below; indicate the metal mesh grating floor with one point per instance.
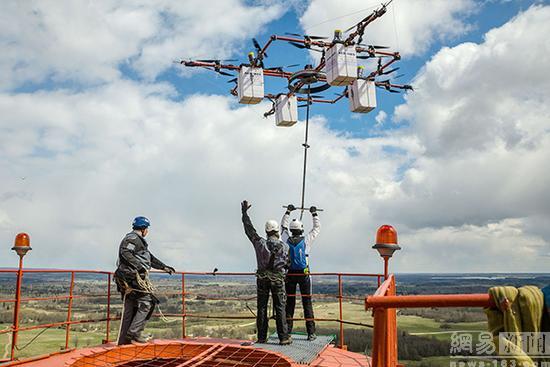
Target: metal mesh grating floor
{"x": 178, "y": 355}
{"x": 301, "y": 350}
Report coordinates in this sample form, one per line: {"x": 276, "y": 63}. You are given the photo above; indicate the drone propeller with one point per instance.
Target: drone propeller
{"x": 218, "y": 71}
{"x": 258, "y": 47}
{"x": 217, "y": 61}
{"x": 389, "y": 71}
{"x": 307, "y": 36}
{"x": 280, "y": 68}
{"x": 234, "y": 80}
{"x": 387, "y": 86}
{"x": 299, "y": 45}
{"x": 376, "y": 47}
{"x": 365, "y": 57}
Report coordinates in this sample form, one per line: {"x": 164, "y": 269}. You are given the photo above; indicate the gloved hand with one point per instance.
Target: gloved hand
{"x": 290, "y": 207}
{"x": 245, "y": 206}
{"x": 313, "y": 210}
{"x": 170, "y": 270}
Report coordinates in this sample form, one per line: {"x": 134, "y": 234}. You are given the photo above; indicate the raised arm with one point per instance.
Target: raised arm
{"x": 285, "y": 221}
{"x": 316, "y": 226}
{"x": 249, "y": 229}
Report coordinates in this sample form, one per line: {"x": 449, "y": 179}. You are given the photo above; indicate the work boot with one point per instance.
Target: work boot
{"x": 311, "y": 337}
{"x": 286, "y": 341}
{"x": 139, "y": 339}
{"x": 261, "y": 341}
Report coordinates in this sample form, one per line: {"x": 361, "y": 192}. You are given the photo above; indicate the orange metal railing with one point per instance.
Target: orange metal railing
{"x": 184, "y": 293}
{"x": 384, "y": 303}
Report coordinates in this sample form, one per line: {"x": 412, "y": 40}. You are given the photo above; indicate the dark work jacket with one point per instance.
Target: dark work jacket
{"x": 134, "y": 256}
{"x": 271, "y": 253}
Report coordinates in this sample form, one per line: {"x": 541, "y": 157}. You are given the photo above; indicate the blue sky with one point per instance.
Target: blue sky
{"x": 485, "y": 16}
{"x": 103, "y": 127}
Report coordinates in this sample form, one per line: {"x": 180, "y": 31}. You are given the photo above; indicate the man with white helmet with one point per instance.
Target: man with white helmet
{"x": 298, "y": 274}
{"x": 272, "y": 259}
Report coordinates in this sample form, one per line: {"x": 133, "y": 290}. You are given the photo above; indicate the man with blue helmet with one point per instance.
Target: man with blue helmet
{"x": 298, "y": 273}
{"x": 134, "y": 262}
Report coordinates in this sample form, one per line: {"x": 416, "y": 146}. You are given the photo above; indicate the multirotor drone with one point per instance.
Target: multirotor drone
{"x": 338, "y": 67}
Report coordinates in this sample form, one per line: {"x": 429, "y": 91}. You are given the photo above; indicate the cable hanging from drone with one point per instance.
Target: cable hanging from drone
{"x": 338, "y": 67}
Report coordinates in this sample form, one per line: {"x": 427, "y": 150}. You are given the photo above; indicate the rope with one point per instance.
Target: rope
{"x": 341, "y": 16}
{"x": 306, "y": 146}
{"x": 395, "y": 26}
{"x": 122, "y": 314}
{"x": 148, "y": 287}
{"x": 7, "y": 348}
{"x": 33, "y": 339}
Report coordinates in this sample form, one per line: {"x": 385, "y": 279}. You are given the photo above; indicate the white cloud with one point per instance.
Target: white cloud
{"x": 409, "y": 26}
{"x": 87, "y": 42}
{"x": 467, "y": 247}
{"x": 117, "y": 151}
{"x": 465, "y": 179}
{"x": 481, "y": 119}
{"x": 381, "y": 117}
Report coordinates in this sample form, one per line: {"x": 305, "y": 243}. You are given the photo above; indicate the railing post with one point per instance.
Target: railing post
{"x": 183, "y": 310}
{"x": 384, "y": 344}
{"x": 391, "y": 329}
{"x": 108, "y": 331}
{"x": 340, "y": 296}
{"x": 378, "y": 338}
{"x": 16, "y": 308}
{"x": 69, "y": 312}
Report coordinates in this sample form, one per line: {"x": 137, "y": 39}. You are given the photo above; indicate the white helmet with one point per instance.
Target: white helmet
{"x": 296, "y": 225}
{"x": 272, "y": 226}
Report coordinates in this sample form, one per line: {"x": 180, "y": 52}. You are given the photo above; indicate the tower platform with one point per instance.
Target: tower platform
{"x": 205, "y": 352}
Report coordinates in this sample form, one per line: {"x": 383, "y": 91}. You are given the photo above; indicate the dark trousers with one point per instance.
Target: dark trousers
{"x": 277, "y": 289}
{"x": 304, "y": 282}
{"x": 138, "y": 308}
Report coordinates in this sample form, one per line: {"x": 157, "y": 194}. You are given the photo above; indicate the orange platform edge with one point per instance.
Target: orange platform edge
{"x": 191, "y": 352}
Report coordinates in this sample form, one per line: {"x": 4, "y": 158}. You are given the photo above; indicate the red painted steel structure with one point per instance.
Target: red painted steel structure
{"x": 383, "y": 303}
{"x": 71, "y": 296}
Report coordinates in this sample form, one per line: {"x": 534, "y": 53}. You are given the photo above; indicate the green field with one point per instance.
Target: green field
{"x": 54, "y": 339}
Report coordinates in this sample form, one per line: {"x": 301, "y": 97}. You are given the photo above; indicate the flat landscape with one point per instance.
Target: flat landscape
{"x": 424, "y": 333}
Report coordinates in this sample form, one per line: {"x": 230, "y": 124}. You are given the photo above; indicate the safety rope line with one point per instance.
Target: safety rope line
{"x": 306, "y": 147}
{"x": 33, "y": 339}
{"x": 146, "y": 287}
{"x": 7, "y": 348}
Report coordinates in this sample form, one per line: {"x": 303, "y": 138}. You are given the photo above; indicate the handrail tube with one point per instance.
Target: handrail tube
{"x": 16, "y": 308}
{"x": 61, "y": 323}
{"x": 434, "y": 300}
{"x": 69, "y": 312}
{"x": 184, "y": 315}
{"x": 183, "y": 309}
{"x": 341, "y": 311}
{"x": 383, "y": 289}
{"x": 108, "y": 326}
{"x": 58, "y": 271}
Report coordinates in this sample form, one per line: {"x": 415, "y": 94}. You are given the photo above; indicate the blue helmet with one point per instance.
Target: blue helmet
{"x": 140, "y": 223}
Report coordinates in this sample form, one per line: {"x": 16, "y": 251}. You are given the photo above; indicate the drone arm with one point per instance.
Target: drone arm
{"x": 380, "y": 70}
{"x": 365, "y": 22}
